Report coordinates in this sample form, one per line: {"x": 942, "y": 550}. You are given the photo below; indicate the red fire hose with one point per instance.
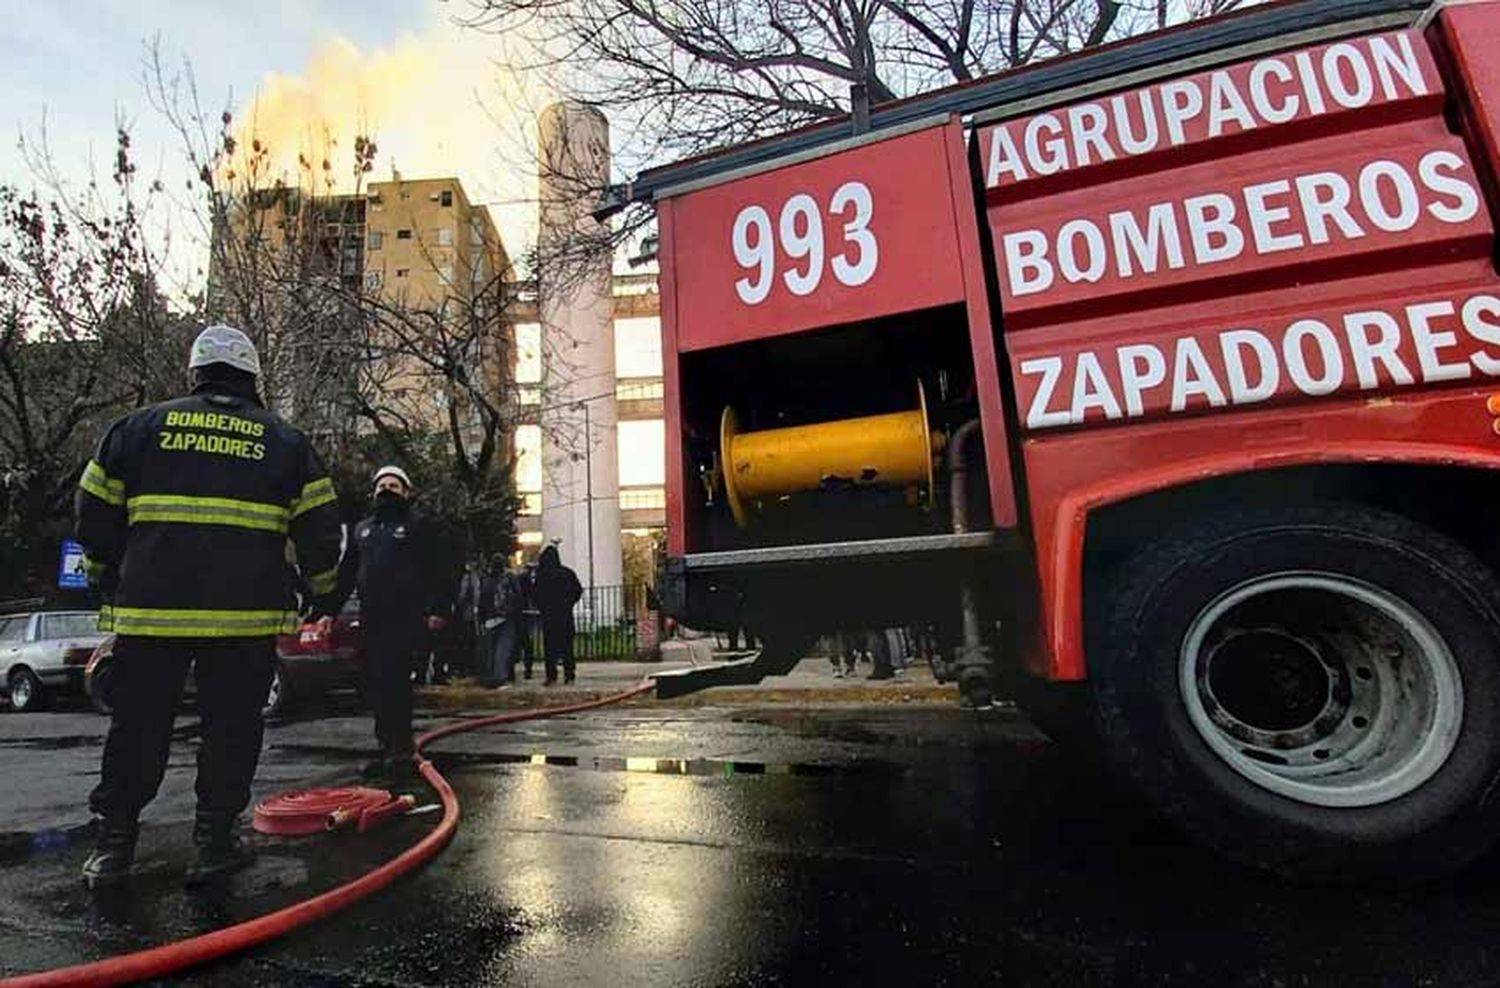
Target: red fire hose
{"x": 313, "y": 811}
{"x": 168, "y": 959}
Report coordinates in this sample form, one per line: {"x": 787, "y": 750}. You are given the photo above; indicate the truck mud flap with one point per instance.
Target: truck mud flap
{"x": 741, "y": 672}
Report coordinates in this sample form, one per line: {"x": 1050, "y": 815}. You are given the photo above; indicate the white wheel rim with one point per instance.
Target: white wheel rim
{"x": 20, "y": 693}
{"x": 1321, "y": 688}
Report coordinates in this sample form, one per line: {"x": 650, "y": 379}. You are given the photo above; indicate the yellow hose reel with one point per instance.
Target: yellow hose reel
{"x": 893, "y": 450}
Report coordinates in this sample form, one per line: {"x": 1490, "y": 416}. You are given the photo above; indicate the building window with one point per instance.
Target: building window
{"x": 377, "y": 238}
{"x": 447, "y": 197}
{"x": 638, "y": 346}
{"x": 528, "y": 470}
{"x": 643, "y": 453}
{"x": 445, "y": 271}
{"x": 640, "y": 389}
{"x": 402, "y": 272}
{"x": 643, "y": 499}
{"x": 372, "y": 280}
{"x": 403, "y": 234}
{"x": 445, "y": 236}
{"x": 528, "y": 337}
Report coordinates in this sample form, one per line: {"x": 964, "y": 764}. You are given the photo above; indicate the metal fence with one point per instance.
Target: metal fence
{"x": 612, "y": 623}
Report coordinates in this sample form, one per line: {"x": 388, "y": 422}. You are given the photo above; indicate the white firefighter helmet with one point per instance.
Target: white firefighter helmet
{"x": 391, "y": 471}
{"x": 225, "y": 345}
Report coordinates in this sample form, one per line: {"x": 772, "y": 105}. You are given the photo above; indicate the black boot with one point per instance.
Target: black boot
{"x": 401, "y": 767}
{"x": 220, "y": 850}
{"x": 113, "y": 856}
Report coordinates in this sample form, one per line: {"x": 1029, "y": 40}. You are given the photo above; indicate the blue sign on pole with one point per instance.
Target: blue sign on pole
{"x": 70, "y": 572}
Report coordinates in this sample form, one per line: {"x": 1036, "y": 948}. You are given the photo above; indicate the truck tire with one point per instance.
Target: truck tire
{"x": 1309, "y": 689}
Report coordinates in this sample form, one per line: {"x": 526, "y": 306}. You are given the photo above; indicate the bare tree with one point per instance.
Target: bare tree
{"x": 688, "y": 76}
{"x": 677, "y": 78}
{"x": 85, "y": 335}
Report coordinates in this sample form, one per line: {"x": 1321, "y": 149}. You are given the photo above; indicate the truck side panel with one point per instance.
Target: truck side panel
{"x": 1077, "y": 471}
{"x": 681, "y": 504}
{"x": 1467, "y": 38}
{"x": 1322, "y": 242}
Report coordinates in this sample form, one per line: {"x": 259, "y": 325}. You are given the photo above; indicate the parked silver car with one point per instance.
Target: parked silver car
{"x": 45, "y": 652}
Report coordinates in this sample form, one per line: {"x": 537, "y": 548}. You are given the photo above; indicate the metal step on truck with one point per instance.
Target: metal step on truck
{"x": 1161, "y": 384}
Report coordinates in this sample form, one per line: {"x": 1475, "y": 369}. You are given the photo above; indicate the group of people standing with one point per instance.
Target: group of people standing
{"x": 500, "y": 608}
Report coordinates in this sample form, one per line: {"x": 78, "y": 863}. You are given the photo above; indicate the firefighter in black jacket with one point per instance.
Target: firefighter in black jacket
{"x": 184, "y": 516}
{"x": 396, "y": 564}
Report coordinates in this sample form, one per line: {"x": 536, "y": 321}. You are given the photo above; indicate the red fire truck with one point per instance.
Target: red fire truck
{"x": 1162, "y": 383}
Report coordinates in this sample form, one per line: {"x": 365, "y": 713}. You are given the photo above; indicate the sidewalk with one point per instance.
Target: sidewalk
{"x": 812, "y": 681}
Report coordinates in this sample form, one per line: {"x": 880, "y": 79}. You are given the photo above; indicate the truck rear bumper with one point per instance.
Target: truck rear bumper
{"x": 826, "y": 586}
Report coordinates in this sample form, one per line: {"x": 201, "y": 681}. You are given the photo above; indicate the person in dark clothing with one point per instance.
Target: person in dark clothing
{"x": 502, "y": 601}
{"x": 555, "y": 591}
{"x": 526, "y": 620}
{"x": 393, "y": 560}
{"x": 466, "y": 639}
{"x": 489, "y": 624}
{"x": 184, "y": 514}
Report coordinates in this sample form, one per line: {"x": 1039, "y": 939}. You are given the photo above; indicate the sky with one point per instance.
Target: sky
{"x": 429, "y": 92}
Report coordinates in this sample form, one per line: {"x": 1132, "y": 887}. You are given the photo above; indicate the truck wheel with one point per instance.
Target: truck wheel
{"x": 1314, "y": 690}
{"x": 26, "y": 691}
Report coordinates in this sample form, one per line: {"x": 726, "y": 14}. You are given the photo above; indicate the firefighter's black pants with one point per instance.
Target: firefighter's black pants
{"x": 145, "y": 687}
{"x": 389, "y": 646}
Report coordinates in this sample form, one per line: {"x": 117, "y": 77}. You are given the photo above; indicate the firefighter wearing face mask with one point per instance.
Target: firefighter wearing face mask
{"x": 396, "y": 567}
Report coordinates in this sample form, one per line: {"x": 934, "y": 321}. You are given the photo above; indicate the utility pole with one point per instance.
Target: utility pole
{"x": 588, "y": 488}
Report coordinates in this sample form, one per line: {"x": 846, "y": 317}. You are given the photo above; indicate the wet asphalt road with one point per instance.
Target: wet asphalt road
{"x": 726, "y": 846}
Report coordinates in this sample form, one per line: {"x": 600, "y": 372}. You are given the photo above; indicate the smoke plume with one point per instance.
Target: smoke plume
{"x": 434, "y": 103}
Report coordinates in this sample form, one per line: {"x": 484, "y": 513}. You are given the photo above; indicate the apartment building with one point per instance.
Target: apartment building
{"x": 416, "y": 245}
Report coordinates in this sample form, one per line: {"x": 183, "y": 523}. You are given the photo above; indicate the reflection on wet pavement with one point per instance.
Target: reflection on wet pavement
{"x": 922, "y": 847}
{"x": 666, "y": 766}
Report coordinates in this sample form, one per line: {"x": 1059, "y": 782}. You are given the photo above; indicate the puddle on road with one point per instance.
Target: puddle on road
{"x": 54, "y": 744}
{"x": 18, "y": 845}
{"x": 187, "y": 733}
{"x": 669, "y": 766}
{"x": 652, "y": 766}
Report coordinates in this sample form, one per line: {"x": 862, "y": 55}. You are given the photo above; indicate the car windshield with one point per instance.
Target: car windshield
{"x": 56, "y": 626}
